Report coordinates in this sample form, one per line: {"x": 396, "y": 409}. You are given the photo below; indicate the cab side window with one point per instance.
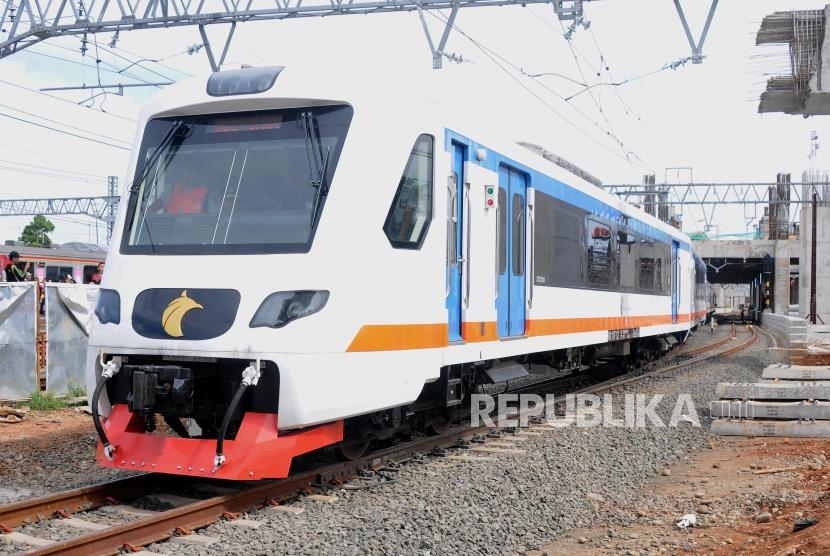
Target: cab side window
{"x": 411, "y": 211}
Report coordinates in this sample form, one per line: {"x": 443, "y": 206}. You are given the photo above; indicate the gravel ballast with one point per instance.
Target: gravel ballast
{"x": 568, "y": 478}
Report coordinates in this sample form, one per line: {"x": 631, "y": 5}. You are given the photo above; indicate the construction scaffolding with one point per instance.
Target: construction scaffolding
{"x": 803, "y": 31}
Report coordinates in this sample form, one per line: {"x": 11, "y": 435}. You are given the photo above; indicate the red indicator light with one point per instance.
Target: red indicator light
{"x": 490, "y": 202}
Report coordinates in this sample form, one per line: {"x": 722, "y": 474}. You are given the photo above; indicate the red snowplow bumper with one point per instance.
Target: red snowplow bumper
{"x": 259, "y": 451}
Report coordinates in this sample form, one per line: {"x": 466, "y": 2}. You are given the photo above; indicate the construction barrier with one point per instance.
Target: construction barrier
{"x": 69, "y": 314}
{"x": 18, "y": 331}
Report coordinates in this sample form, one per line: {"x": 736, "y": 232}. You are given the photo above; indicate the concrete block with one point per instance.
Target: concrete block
{"x": 19, "y": 538}
{"x": 244, "y": 523}
{"x": 797, "y": 372}
{"x": 173, "y": 499}
{"x": 513, "y": 438}
{"x": 129, "y": 510}
{"x": 81, "y": 524}
{"x": 463, "y": 457}
{"x": 738, "y": 409}
{"x": 325, "y": 499}
{"x": 195, "y": 540}
{"x": 494, "y": 444}
{"x": 779, "y": 391}
{"x": 497, "y": 450}
{"x": 287, "y": 509}
{"x": 793, "y": 429}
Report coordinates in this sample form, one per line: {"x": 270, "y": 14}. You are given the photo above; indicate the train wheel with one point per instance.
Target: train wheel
{"x": 439, "y": 427}
{"x": 351, "y": 450}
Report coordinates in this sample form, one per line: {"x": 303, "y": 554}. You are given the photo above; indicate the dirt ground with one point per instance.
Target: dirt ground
{"x": 813, "y": 359}
{"x": 46, "y": 452}
{"x": 726, "y": 487}
{"x": 40, "y": 424}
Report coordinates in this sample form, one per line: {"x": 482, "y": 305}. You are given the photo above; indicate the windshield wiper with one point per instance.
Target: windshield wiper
{"x": 179, "y": 131}
{"x": 318, "y": 161}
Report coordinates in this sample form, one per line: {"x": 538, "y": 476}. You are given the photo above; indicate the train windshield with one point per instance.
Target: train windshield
{"x": 250, "y": 182}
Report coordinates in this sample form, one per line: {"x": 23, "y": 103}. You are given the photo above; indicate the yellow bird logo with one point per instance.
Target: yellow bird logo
{"x": 171, "y": 319}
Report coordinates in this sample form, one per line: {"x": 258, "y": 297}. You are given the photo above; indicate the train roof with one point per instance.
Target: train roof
{"x": 74, "y": 250}
{"x": 297, "y": 86}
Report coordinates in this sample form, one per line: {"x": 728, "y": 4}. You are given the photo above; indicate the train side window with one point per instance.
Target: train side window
{"x": 647, "y": 266}
{"x": 599, "y": 253}
{"x": 543, "y": 239}
{"x": 56, "y": 273}
{"x": 658, "y": 274}
{"x": 558, "y": 243}
{"x": 89, "y": 270}
{"x": 518, "y": 213}
{"x": 626, "y": 264}
{"x": 411, "y": 211}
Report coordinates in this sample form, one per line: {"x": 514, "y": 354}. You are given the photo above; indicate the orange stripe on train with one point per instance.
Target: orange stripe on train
{"x": 395, "y": 337}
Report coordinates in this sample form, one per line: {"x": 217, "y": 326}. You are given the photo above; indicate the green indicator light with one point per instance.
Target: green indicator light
{"x": 489, "y": 190}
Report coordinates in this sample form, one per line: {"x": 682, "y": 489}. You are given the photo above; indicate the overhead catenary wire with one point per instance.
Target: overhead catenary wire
{"x": 64, "y": 132}
{"x": 589, "y": 63}
{"x": 50, "y": 155}
{"x": 493, "y": 58}
{"x": 143, "y": 59}
{"x": 65, "y": 124}
{"x": 55, "y": 97}
{"x": 50, "y": 175}
{"x": 590, "y": 93}
{"x": 168, "y": 57}
{"x": 43, "y": 167}
{"x": 117, "y": 55}
{"x": 113, "y": 68}
{"x": 610, "y": 72}
{"x": 67, "y": 60}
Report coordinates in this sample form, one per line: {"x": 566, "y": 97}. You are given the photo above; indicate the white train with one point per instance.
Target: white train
{"x": 302, "y": 263}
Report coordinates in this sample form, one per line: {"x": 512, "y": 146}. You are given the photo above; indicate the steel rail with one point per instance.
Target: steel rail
{"x": 163, "y": 525}
{"x": 713, "y": 345}
{"x": 614, "y": 383}
{"x": 743, "y": 345}
{"x": 78, "y": 499}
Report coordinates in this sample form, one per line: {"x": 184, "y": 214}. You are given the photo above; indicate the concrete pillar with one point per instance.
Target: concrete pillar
{"x": 822, "y": 258}
{"x": 782, "y": 278}
{"x": 804, "y": 258}
{"x": 823, "y": 262}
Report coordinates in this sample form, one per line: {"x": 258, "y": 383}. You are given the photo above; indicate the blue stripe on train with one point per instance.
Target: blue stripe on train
{"x": 557, "y": 189}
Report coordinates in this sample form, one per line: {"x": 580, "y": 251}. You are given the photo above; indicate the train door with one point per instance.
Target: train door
{"x": 512, "y": 215}
{"x": 675, "y": 280}
{"x": 455, "y": 232}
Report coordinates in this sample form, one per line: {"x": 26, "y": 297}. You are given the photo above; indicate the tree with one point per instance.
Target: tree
{"x": 34, "y": 234}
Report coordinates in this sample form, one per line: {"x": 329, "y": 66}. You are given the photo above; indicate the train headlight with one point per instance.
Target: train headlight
{"x": 280, "y": 308}
{"x": 108, "y": 308}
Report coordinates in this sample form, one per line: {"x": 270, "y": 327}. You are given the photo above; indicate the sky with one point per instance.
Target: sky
{"x": 698, "y": 117}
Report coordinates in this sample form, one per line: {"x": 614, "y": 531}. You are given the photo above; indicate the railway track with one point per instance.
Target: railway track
{"x": 154, "y": 526}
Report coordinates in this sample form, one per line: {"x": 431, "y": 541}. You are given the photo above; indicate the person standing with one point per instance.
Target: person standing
{"x": 98, "y": 275}
{"x": 13, "y": 272}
